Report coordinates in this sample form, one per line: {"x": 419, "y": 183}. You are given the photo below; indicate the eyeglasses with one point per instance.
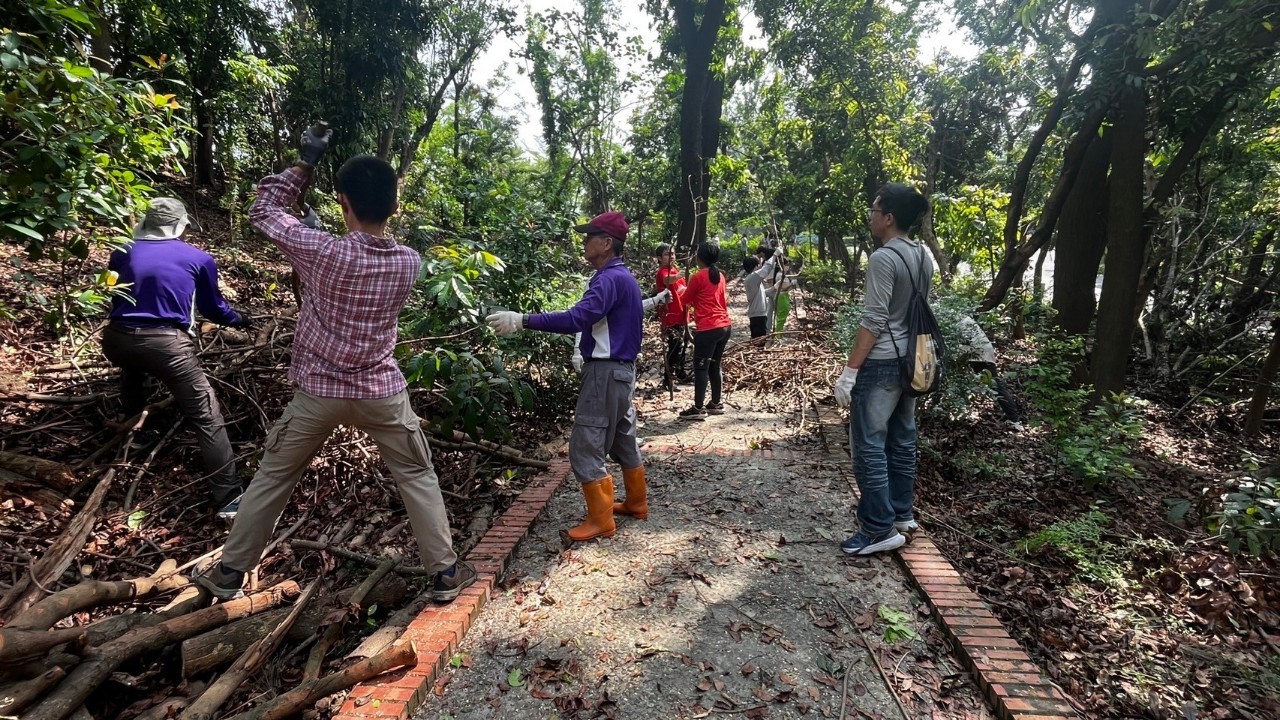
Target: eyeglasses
{"x": 873, "y": 210}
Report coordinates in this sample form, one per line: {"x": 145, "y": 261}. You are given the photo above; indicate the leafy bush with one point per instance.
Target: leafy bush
{"x": 1080, "y": 538}
{"x": 1250, "y": 515}
{"x": 76, "y": 142}
{"x": 823, "y": 277}
{"x": 1093, "y": 442}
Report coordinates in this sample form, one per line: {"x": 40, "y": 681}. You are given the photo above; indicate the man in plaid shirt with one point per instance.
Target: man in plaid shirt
{"x": 343, "y": 366}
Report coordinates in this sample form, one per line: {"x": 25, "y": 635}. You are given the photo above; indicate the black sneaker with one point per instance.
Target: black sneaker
{"x": 143, "y": 440}
{"x": 221, "y": 581}
{"x": 693, "y": 413}
{"x": 450, "y": 582}
{"x": 715, "y": 408}
{"x": 228, "y": 510}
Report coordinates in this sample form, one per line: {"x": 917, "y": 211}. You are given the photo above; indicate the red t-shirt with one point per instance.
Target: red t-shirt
{"x": 675, "y": 313}
{"x": 707, "y": 301}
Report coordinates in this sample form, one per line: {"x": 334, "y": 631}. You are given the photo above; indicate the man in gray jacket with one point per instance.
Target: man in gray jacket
{"x": 882, "y": 422}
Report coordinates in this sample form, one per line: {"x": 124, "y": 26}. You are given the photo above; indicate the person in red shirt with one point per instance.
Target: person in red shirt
{"x": 675, "y": 317}
{"x": 705, "y": 295}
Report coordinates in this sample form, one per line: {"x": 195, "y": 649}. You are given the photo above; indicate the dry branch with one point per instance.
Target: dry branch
{"x": 17, "y": 696}
{"x": 459, "y": 441}
{"x": 58, "y": 557}
{"x": 218, "y": 647}
{"x": 94, "y": 593}
{"x": 76, "y": 688}
{"x": 204, "y": 707}
{"x": 51, "y": 474}
{"x": 333, "y": 630}
{"x": 346, "y": 554}
{"x": 18, "y": 645}
{"x": 305, "y": 695}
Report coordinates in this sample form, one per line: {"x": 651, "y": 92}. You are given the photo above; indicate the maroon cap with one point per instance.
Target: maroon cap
{"x": 612, "y": 223}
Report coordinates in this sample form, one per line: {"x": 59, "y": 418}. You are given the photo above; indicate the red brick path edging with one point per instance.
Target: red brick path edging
{"x": 438, "y": 629}
{"x": 1012, "y": 682}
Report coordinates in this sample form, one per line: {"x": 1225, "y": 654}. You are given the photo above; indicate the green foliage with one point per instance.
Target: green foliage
{"x": 1249, "y": 516}
{"x": 897, "y": 625}
{"x": 1094, "y": 442}
{"x": 77, "y": 145}
{"x": 1081, "y": 539}
{"x": 823, "y": 277}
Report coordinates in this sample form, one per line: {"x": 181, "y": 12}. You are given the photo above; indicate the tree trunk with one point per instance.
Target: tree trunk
{"x": 698, "y": 42}
{"x": 1081, "y": 238}
{"x": 1266, "y": 382}
{"x": 203, "y": 161}
{"x": 1126, "y": 241}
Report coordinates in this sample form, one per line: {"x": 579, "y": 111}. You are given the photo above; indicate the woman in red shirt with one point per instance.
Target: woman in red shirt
{"x": 674, "y": 317}
{"x": 705, "y": 295}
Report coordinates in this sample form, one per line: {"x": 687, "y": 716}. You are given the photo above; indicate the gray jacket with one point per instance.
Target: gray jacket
{"x": 889, "y": 292}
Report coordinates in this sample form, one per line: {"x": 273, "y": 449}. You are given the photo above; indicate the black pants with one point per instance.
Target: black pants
{"x": 708, "y": 348}
{"x": 1003, "y": 396}
{"x": 674, "y": 335}
{"x": 759, "y": 325}
{"x": 169, "y": 355}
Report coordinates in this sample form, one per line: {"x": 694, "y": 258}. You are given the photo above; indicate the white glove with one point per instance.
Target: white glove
{"x": 576, "y": 359}
{"x": 844, "y": 387}
{"x": 505, "y": 322}
{"x": 661, "y": 298}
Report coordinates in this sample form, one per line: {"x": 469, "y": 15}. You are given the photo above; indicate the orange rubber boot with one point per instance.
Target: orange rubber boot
{"x": 599, "y": 522}
{"x": 637, "y": 504}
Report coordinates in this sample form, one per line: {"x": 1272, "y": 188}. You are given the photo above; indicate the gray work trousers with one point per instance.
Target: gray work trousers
{"x": 604, "y": 423}
{"x": 169, "y": 355}
{"x": 292, "y": 443}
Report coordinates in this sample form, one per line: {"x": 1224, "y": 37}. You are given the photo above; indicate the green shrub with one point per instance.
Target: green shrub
{"x": 1080, "y": 538}
{"x": 1094, "y": 443}
{"x": 1250, "y": 515}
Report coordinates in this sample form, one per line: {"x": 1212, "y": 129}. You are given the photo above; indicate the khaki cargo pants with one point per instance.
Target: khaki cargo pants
{"x": 292, "y": 443}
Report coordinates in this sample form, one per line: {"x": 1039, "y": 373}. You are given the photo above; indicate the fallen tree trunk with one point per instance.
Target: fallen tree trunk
{"x": 51, "y": 474}
{"x": 18, "y": 645}
{"x": 94, "y": 593}
{"x": 58, "y": 557}
{"x": 204, "y": 707}
{"x": 305, "y": 695}
{"x": 88, "y": 675}
{"x": 17, "y": 696}
{"x": 216, "y": 648}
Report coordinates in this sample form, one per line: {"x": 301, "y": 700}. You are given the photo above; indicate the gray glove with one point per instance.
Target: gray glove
{"x": 313, "y": 144}
{"x": 309, "y": 218}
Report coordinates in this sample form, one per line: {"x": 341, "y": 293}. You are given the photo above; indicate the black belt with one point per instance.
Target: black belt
{"x": 620, "y": 362}
{"x": 135, "y": 330}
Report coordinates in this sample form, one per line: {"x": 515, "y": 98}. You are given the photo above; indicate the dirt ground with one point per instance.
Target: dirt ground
{"x": 732, "y": 598}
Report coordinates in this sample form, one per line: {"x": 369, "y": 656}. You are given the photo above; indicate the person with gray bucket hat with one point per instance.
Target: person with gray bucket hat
{"x": 152, "y": 330}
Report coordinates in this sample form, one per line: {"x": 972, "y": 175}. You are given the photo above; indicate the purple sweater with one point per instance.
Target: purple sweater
{"x": 169, "y": 281}
{"x": 609, "y": 315}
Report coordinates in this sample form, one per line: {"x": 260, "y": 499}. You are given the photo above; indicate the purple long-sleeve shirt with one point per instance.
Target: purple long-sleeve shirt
{"x": 169, "y": 281}
{"x": 609, "y": 315}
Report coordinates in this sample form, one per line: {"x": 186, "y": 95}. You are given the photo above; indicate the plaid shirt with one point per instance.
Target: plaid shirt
{"x": 356, "y": 286}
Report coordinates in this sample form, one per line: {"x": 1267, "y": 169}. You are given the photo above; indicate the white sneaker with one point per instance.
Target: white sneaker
{"x": 906, "y": 526}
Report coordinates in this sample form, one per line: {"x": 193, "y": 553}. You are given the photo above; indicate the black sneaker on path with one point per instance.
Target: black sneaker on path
{"x": 715, "y": 408}
{"x": 693, "y": 413}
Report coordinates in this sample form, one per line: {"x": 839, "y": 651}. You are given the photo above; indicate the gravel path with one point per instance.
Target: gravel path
{"x": 733, "y": 599}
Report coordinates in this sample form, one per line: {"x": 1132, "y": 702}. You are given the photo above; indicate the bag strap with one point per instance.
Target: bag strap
{"x": 906, "y": 266}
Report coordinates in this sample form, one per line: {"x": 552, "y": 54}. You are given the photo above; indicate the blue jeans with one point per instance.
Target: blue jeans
{"x": 882, "y": 438}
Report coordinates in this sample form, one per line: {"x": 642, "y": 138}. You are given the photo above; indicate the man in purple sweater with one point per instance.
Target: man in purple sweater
{"x": 609, "y": 317}
{"x": 151, "y": 331}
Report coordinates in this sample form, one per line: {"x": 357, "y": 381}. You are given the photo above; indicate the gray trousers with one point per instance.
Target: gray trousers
{"x": 292, "y": 443}
{"x": 169, "y": 355}
{"x": 604, "y": 423}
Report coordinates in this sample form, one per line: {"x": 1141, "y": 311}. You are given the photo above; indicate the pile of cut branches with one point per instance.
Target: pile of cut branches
{"x": 97, "y": 539}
